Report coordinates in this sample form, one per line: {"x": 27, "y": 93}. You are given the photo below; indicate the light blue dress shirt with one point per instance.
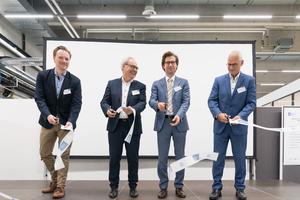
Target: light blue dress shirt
{"x": 59, "y": 81}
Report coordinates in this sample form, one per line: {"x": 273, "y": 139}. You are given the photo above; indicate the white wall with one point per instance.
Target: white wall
{"x": 19, "y": 144}
{"x": 96, "y": 62}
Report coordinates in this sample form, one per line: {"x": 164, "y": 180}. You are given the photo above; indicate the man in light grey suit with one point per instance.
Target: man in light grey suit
{"x": 170, "y": 99}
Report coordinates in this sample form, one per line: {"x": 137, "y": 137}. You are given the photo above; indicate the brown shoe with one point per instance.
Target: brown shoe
{"x": 58, "y": 193}
{"x": 180, "y": 193}
{"x": 50, "y": 188}
{"x": 163, "y": 193}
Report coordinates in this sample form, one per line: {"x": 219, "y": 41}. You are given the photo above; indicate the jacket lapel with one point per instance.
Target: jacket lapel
{"x": 176, "y": 84}
{"x": 52, "y": 83}
{"x": 239, "y": 83}
{"x": 132, "y": 85}
{"x": 163, "y": 84}
{"x": 227, "y": 85}
{"x": 119, "y": 91}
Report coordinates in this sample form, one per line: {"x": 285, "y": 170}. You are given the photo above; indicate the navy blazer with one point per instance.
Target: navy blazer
{"x": 242, "y": 101}
{"x": 181, "y": 101}
{"x": 66, "y": 107}
{"x": 113, "y": 98}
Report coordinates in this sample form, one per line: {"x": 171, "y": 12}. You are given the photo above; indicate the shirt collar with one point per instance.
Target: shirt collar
{"x": 129, "y": 82}
{"x": 64, "y": 74}
{"x": 172, "y": 78}
{"x": 236, "y": 77}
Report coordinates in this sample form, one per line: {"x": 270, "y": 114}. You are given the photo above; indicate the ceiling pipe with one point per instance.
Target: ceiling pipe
{"x": 65, "y": 18}
{"x": 59, "y": 18}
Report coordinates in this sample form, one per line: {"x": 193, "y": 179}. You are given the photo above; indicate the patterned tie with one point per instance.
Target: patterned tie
{"x": 170, "y": 96}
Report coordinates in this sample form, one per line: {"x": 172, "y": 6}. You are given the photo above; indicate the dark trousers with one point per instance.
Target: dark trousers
{"x": 116, "y": 141}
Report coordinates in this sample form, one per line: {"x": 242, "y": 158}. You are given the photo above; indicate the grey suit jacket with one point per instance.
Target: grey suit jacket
{"x": 181, "y": 101}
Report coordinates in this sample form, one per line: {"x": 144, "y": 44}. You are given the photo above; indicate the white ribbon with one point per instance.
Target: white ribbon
{"x": 7, "y": 197}
{"x": 191, "y": 160}
{"x": 130, "y": 132}
{"x": 245, "y": 123}
{"x": 63, "y": 146}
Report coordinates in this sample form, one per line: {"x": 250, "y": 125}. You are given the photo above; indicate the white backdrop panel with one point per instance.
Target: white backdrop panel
{"x": 97, "y": 62}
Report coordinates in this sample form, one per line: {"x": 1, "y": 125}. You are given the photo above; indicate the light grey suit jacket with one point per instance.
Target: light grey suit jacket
{"x": 181, "y": 101}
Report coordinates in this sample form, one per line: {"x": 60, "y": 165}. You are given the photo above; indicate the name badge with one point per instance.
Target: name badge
{"x": 67, "y": 91}
{"x": 177, "y": 88}
{"x": 135, "y": 92}
{"x": 241, "y": 89}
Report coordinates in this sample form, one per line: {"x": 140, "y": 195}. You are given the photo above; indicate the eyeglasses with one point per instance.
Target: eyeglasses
{"x": 170, "y": 62}
{"x": 132, "y": 66}
{"x": 232, "y": 64}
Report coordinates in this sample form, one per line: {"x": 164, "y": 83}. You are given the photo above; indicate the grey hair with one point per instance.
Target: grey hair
{"x": 125, "y": 61}
{"x": 238, "y": 53}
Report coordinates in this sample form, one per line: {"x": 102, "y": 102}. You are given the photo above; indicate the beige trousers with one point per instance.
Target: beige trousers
{"x": 47, "y": 141}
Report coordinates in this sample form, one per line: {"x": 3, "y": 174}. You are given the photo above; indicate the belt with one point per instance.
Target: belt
{"x": 169, "y": 116}
{"x": 124, "y": 120}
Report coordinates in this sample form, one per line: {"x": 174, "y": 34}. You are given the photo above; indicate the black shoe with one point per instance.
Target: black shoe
{"x": 163, "y": 193}
{"x": 113, "y": 193}
{"x": 240, "y": 195}
{"x": 180, "y": 193}
{"x": 133, "y": 193}
{"x": 215, "y": 194}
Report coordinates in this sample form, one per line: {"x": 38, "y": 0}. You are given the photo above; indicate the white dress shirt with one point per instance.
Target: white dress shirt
{"x": 233, "y": 81}
{"x": 125, "y": 90}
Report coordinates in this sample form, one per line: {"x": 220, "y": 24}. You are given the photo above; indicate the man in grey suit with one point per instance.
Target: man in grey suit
{"x": 170, "y": 99}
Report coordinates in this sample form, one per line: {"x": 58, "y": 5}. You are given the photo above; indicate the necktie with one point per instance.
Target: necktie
{"x": 170, "y": 96}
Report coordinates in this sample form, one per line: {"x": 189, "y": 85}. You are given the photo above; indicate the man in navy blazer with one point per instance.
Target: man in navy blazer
{"x": 58, "y": 97}
{"x": 170, "y": 99}
{"x": 233, "y": 96}
{"x": 122, "y": 97}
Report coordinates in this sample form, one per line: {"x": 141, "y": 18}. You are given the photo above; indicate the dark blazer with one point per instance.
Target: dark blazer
{"x": 66, "y": 106}
{"x": 113, "y": 98}
{"x": 242, "y": 101}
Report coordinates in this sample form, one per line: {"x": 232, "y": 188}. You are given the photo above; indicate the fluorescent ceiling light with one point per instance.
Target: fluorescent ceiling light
{"x": 290, "y": 71}
{"x": 174, "y": 17}
{"x": 177, "y": 30}
{"x": 109, "y": 30}
{"x": 262, "y": 71}
{"x": 101, "y": 16}
{"x": 272, "y": 84}
{"x": 27, "y": 16}
{"x": 298, "y": 17}
{"x": 247, "y": 16}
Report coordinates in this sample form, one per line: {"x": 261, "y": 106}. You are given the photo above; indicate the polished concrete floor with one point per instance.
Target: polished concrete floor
{"x": 195, "y": 190}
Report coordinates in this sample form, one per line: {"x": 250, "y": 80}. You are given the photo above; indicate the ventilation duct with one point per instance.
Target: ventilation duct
{"x": 283, "y": 45}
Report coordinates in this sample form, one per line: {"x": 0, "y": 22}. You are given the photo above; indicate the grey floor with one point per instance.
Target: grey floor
{"x": 195, "y": 190}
